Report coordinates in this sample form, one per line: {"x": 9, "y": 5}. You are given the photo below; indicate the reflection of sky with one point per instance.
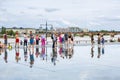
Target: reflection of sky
{"x": 80, "y": 67}
{"x": 92, "y": 14}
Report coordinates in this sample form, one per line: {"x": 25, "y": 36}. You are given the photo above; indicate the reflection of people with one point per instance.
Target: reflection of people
{"x": 31, "y": 58}
{"x": 43, "y": 53}
{"x": 66, "y": 52}
{"x": 70, "y": 52}
{"x": 37, "y": 52}
{"x": 5, "y": 55}
{"x": 103, "y": 50}
{"x": 54, "y": 56}
{"x": 1, "y": 50}
{"x": 92, "y": 52}
{"x": 25, "y": 54}
{"x": 61, "y": 52}
{"x": 99, "y": 52}
{"x": 17, "y": 57}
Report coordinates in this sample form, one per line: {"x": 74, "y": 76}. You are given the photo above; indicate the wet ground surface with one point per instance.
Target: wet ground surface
{"x": 77, "y": 63}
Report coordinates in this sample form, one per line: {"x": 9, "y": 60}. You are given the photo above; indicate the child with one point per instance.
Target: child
{"x": 9, "y": 46}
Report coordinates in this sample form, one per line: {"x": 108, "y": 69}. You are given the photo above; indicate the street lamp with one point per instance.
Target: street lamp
{"x": 46, "y": 29}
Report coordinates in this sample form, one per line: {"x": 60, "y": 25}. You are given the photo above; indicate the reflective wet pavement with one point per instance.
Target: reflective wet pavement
{"x": 79, "y": 63}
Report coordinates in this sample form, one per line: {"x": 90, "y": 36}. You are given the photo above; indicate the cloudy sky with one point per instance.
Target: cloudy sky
{"x": 91, "y": 14}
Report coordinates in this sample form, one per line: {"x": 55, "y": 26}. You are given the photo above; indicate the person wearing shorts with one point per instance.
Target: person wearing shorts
{"x": 5, "y": 39}
{"x": 25, "y": 39}
{"x": 37, "y": 39}
{"x": 31, "y": 39}
{"x": 16, "y": 40}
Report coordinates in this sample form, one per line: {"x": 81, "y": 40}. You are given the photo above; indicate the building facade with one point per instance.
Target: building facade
{"x": 21, "y": 30}
{"x": 74, "y": 29}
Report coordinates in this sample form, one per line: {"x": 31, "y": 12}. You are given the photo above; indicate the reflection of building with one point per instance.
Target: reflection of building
{"x": 21, "y": 30}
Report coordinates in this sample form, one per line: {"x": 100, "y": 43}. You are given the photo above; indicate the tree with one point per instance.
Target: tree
{"x": 10, "y": 32}
{"x": 3, "y": 31}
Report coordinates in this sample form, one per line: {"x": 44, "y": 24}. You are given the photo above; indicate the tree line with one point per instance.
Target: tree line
{"x": 10, "y": 32}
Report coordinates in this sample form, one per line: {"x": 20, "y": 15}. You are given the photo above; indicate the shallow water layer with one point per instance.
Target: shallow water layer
{"x": 77, "y": 63}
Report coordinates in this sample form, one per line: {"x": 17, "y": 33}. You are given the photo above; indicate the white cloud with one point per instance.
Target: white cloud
{"x": 94, "y": 24}
{"x": 73, "y": 12}
{"x": 3, "y": 20}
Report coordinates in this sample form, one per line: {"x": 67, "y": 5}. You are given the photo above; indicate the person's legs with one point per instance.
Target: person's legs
{"x": 53, "y": 44}
{"x": 5, "y": 42}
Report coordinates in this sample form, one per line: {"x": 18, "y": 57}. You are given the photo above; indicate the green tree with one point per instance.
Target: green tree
{"x": 11, "y": 32}
{"x": 3, "y": 31}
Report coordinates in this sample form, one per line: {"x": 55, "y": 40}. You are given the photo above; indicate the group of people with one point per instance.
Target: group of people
{"x": 33, "y": 40}
{"x": 100, "y": 39}
{"x": 65, "y": 39}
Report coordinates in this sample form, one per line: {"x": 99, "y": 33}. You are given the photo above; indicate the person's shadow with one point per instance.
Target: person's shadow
{"x": 103, "y": 51}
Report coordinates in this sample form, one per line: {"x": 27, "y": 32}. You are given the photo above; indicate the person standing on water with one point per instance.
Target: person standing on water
{"x": 37, "y": 39}
{"x": 25, "y": 39}
{"x": 102, "y": 40}
{"x": 99, "y": 39}
{"x": 92, "y": 39}
{"x": 17, "y": 40}
{"x": 5, "y": 37}
{"x": 31, "y": 39}
{"x": 54, "y": 39}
